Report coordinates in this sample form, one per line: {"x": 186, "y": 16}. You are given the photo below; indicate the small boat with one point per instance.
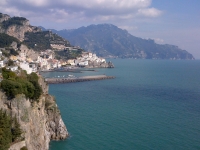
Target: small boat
{"x": 71, "y": 76}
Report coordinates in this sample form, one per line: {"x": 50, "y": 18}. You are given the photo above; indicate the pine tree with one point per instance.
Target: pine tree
{"x": 16, "y": 131}
{"x": 5, "y": 131}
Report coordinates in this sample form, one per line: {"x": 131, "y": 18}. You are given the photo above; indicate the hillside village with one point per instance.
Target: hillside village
{"x": 32, "y": 61}
{"x": 34, "y": 50}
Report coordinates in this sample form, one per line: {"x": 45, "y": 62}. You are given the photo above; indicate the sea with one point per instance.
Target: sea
{"x": 150, "y": 105}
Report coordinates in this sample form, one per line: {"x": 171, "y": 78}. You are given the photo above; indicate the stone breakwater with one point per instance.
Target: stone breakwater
{"x": 79, "y": 79}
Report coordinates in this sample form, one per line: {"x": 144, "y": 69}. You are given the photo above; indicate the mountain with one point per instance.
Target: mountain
{"x": 108, "y": 40}
{"x": 32, "y": 36}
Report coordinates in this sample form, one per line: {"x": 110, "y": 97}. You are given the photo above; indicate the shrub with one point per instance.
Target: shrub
{"x": 16, "y": 131}
{"x": 13, "y": 21}
{"x": 26, "y": 84}
{"x": 6, "y": 40}
{"x": 24, "y": 148}
{"x": 9, "y": 130}
{"x": 5, "y": 131}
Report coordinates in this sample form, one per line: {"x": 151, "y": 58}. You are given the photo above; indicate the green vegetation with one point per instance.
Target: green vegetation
{"x": 37, "y": 41}
{"x": 9, "y": 130}
{"x": 10, "y": 62}
{"x": 5, "y": 53}
{"x": 68, "y": 54}
{"x": 24, "y": 84}
{"x": 6, "y": 40}
{"x": 13, "y": 52}
{"x": 24, "y": 148}
{"x": 42, "y": 40}
{"x": 13, "y": 21}
{"x": 15, "y": 130}
{"x": 9, "y": 51}
{"x": 5, "y": 131}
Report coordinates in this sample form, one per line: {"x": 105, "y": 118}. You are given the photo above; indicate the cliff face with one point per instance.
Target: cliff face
{"x": 4, "y": 17}
{"x": 40, "y": 121}
{"x": 18, "y": 31}
{"x": 16, "y": 26}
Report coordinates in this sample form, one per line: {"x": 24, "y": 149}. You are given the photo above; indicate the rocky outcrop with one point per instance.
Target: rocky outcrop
{"x": 14, "y": 29}
{"x": 18, "y": 31}
{"x": 17, "y": 146}
{"x": 30, "y": 53}
{"x": 4, "y": 17}
{"x": 40, "y": 121}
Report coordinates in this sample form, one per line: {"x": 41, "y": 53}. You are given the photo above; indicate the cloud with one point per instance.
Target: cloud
{"x": 90, "y": 9}
{"x": 159, "y": 40}
{"x": 3, "y": 2}
{"x": 34, "y": 3}
{"x": 149, "y": 12}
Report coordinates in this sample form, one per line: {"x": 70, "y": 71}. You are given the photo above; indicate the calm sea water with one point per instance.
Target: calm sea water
{"x": 152, "y": 104}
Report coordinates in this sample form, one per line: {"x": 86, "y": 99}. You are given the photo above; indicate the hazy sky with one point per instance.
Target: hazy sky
{"x": 174, "y": 22}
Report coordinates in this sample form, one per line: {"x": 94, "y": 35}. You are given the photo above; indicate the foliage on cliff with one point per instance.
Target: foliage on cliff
{"x": 43, "y": 40}
{"x": 5, "y": 131}
{"x": 9, "y": 130}
{"x": 37, "y": 41}
{"x": 68, "y": 54}
{"x": 13, "y": 21}
{"x": 6, "y": 40}
{"x": 22, "y": 84}
{"x": 24, "y": 148}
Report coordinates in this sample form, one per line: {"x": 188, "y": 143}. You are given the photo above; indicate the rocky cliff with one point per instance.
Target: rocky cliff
{"x": 40, "y": 121}
{"x": 16, "y": 26}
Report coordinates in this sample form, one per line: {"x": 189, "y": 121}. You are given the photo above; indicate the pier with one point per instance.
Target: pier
{"x": 77, "y": 79}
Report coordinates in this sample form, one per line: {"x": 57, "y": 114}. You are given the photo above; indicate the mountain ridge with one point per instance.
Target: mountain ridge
{"x": 108, "y": 40}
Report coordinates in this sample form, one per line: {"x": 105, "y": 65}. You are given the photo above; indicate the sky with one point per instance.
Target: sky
{"x": 175, "y": 22}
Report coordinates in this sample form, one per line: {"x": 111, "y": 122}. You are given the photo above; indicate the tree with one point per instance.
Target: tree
{"x": 33, "y": 78}
{"x": 10, "y": 63}
{"x": 5, "y": 131}
{"x": 13, "y": 52}
{"x": 7, "y": 73}
{"x": 24, "y": 148}
{"x": 11, "y": 88}
{"x": 16, "y": 131}
{"x": 23, "y": 84}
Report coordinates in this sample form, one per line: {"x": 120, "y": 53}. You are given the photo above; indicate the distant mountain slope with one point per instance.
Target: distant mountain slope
{"x": 109, "y": 40}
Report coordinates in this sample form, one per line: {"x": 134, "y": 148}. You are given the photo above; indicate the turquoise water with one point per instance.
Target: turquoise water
{"x": 151, "y": 104}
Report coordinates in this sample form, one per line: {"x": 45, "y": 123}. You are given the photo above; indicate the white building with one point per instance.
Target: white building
{"x": 12, "y": 68}
{"x": 25, "y": 66}
{"x": 84, "y": 63}
{"x": 2, "y": 63}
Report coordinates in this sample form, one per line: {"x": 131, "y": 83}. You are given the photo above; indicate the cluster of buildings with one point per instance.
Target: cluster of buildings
{"x": 84, "y": 60}
{"x": 32, "y": 61}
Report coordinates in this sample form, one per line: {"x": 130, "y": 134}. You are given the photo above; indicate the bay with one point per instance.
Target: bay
{"x": 151, "y": 104}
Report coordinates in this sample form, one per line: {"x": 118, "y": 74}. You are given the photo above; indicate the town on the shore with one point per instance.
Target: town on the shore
{"x": 32, "y": 61}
